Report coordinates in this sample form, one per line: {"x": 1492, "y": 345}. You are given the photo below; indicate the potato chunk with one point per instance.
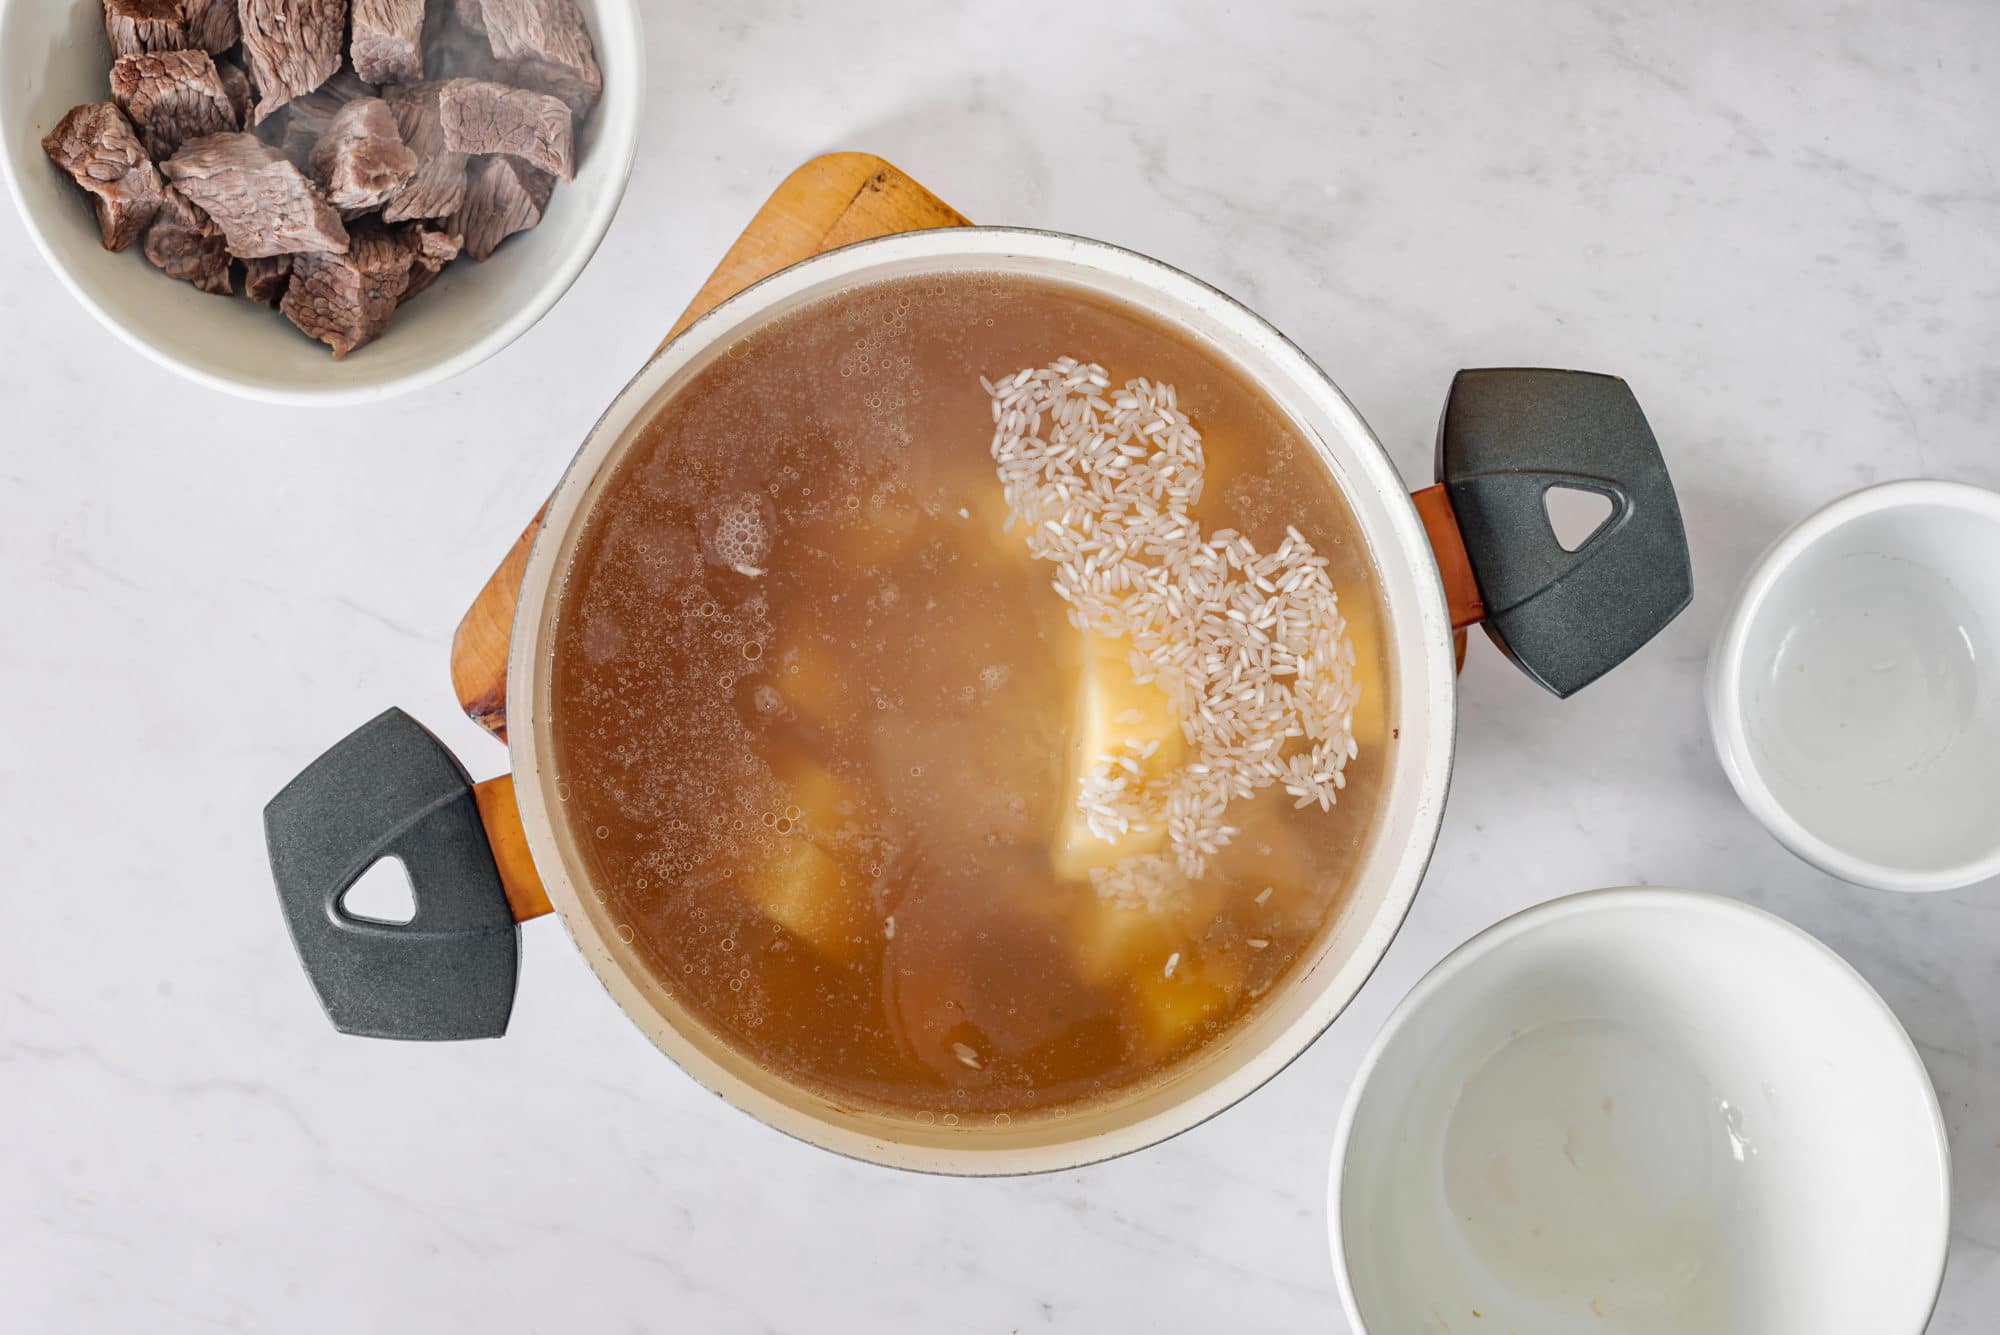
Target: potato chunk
{"x": 1170, "y": 1006}
{"x": 1110, "y": 942}
{"x": 804, "y": 890}
{"x": 805, "y": 886}
{"x": 1364, "y": 630}
{"x": 1115, "y": 714}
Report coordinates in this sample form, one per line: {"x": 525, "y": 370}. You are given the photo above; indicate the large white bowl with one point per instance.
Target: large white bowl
{"x": 1641, "y": 1112}
{"x": 52, "y": 56}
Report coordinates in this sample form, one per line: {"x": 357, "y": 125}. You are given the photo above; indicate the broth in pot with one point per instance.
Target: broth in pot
{"x": 963, "y": 742}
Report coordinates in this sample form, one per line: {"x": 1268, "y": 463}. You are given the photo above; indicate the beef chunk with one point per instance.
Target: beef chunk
{"x": 484, "y": 117}
{"x": 266, "y": 277}
{"x": 430, "y": 252}
{"x": 186, "y": 243}
{"x": 173, "y": 96}
{"x": 361, "y": 160}
{"x": 306, "y": 118}
{"x": 346, "y": 300}
{"x": 236, "y": 86}
{"x": 388, "y": 41}
{"x": 262, "y": 203}
{"x": 96, "y": 145}
{"x": 556, "y": 81}
{"x": 503, "y": 195}
{"x": 548, "y": 43}
{"x": 211, "y": 24}
{"x": 438, "y": 188}
{"x": 293, "y": 46}
{"x": 134, "y": 27}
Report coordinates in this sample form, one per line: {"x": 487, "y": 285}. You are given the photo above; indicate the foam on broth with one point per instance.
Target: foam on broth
{"x": 812, "y": 712}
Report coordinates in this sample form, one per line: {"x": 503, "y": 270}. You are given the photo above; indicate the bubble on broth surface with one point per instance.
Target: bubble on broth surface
{"x": 737, "y": 534}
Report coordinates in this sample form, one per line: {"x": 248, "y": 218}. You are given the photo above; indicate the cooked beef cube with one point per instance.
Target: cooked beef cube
{"x": 137, "y": 26}
{"x": 97, "y": 146}
{"x": 388, "y": 41}
{"x": 346, "y": 300}
{"x": 211, "y": 24}
{"x": 236, "y": 85}
{"x": 172, "y": 96}
{"x": 262, "y": 203}
{"x": 470, "y": 16}
{"x": 361, "y": 160}
{"x": 548, "y": 42}
{"x": 265, "y": 278}
{"x": 484, "y": 117}
{"x": 503, "y": 195}
{"x": 293, "y": 46}
{"x": 555, "y": 80}
{"x": 438, "y": 188}
{"x": 430, "y": 252}
{"x": 306, "y": 118}
{"x": 186, "y": 243}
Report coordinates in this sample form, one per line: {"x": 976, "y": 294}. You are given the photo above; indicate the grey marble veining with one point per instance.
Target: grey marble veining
{"x": 1780, "y": 221}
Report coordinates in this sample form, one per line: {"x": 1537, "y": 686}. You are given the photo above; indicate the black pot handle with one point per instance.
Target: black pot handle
{"x": 1506, "y": 439}
{"x": 391, "y": 789}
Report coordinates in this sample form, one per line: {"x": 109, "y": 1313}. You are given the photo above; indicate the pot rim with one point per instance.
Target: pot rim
{"x": 1419, "y": 627}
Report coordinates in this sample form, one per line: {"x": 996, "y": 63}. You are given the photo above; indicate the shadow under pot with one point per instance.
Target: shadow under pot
{"x": 1477, "y": 548}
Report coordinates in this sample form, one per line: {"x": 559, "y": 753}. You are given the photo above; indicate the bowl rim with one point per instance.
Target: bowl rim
{"x": 499, "y": 335}
{"x": 1615, "y": 899}
{"x": 1727, "y": 710}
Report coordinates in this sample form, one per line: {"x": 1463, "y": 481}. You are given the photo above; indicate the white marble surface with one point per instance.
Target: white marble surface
{"x": 1780, "y": 221}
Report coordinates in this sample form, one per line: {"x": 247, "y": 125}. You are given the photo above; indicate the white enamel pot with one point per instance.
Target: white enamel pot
{"x": 1478, "y": 547}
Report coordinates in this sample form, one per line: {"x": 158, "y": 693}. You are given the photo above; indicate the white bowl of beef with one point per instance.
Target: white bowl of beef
{"x": 55, "y": 57}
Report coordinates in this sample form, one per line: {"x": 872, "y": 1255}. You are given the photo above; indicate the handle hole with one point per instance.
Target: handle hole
{"x": 382, "y": 894}
{"x": 1575, "y": 515}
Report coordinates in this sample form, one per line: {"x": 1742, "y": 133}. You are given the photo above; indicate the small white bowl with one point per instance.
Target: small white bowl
{"x": 1854, "y": 694}
{"x": 52, "y": 57}
{"x": 1636, "y": 1112}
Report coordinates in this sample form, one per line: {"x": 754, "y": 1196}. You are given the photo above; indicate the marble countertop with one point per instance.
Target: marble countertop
{"x": 1781, "y": 222}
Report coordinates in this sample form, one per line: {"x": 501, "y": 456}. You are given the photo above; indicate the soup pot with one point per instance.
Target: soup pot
{"x": 1479, "y": 547}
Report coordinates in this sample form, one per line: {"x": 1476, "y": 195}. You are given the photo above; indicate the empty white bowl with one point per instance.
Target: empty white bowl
{"x": 1854, "y": 694}
{"x": 1641, "y": 1112}
{"x": 52, "y": 57}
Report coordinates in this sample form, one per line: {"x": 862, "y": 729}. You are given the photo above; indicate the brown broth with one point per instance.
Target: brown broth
{"x": 818, "y": 793}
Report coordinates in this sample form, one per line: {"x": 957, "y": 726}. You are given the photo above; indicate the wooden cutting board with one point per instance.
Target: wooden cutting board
{"x": 829, "y": 202}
